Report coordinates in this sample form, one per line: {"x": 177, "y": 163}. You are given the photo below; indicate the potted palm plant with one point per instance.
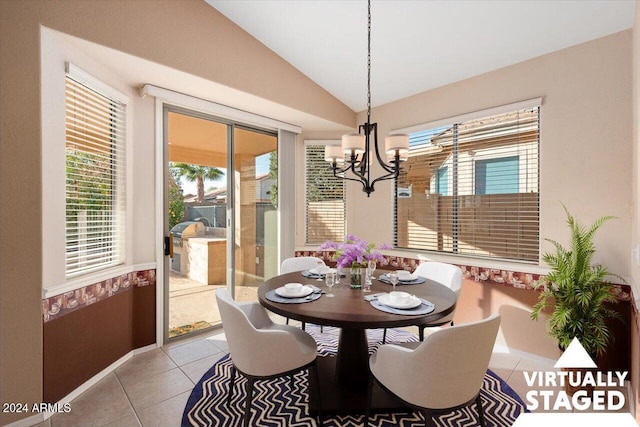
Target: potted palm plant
{"x": 577, "y": 291}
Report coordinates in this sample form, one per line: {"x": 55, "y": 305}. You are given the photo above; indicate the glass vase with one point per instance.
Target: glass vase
{"x": 357, "y": 275}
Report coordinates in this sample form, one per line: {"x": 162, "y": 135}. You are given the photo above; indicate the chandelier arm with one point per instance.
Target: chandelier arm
{"x": 388, "y": 167}
{"x": 391, "y": 175}
{"x": 359, "y": 181}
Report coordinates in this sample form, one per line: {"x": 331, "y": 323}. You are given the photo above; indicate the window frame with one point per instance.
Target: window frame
{"x": 321, "y": 143}
{"x": 453, "y": 123}
{"x": 110, "y": 151}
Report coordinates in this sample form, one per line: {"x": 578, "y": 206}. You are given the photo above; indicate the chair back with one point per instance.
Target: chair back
{"x": 238, "y": 330}
{"x": 300, "y": 263}
{"x": 447, "y": 369}
{"x": 446, "y": 274}
{"x": 258, "y": 346}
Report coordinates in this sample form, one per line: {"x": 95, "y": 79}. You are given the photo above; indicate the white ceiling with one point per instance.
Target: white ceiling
{"x": 418, "y": 45}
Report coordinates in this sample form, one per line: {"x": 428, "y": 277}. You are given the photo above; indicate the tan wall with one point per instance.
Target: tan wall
{"x": 188, "y": 36}
{"x": 585, "y": 154}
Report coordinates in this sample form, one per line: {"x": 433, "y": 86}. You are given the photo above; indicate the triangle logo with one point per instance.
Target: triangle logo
{"x": 575, "y": 356}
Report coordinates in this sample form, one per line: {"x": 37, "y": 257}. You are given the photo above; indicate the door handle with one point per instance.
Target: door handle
{"x": 168, "y": 245}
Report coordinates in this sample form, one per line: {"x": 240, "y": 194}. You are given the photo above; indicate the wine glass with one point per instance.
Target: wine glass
{"x": 393, "y": 278}
{"x": 330, "y": 280}
{"x": 371, "y": 265}
{"x": 320, "y": 268}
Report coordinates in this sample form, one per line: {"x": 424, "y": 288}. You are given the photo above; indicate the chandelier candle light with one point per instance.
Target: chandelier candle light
{"x": 357, "y": 148}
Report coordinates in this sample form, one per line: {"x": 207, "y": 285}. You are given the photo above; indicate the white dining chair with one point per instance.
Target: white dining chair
{"x": 261, "y": 349}
{"x": 445, "y": 274}
{"x": 443, "y": 373}
{"x": 300, "y": 263}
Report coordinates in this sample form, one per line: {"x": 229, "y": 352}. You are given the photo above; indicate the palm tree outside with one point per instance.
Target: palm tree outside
{"x": 197, "y": 174}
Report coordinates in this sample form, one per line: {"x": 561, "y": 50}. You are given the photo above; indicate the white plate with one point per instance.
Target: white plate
{"x": 314, "y": 271}
{"x": 407, "y": 277}
{"x": 413, "y": 302}
{"x": 304, "y": 291}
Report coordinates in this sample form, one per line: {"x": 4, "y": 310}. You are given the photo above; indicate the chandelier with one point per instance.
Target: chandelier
{"x": 357, "y": 150}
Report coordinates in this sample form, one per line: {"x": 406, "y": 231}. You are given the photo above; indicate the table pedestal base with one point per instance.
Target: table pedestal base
{"x": 338, "y": 398}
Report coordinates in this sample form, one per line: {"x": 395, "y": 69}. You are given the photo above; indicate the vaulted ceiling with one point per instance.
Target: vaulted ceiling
{"x": 418, "y": 45}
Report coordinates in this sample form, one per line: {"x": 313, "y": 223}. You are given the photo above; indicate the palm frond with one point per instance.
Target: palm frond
{"x": 576, "y": 290}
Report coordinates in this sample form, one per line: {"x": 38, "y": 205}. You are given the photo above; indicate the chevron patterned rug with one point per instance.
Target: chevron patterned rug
{"x": 276, "y": 403}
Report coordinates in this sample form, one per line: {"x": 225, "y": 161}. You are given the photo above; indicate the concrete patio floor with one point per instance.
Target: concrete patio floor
{"x": 191, "y": 302}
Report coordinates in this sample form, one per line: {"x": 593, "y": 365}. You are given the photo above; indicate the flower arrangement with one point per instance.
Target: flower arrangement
{"x": 355, "y": 252}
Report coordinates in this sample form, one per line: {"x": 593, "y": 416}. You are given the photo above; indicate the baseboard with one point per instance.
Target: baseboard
{"x": 27, "y": 422}
{"x": 144, "y": 349}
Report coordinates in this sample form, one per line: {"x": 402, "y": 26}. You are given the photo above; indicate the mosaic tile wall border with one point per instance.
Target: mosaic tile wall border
{"x": 494, "y": 276}
{"x": 68, "y": 302}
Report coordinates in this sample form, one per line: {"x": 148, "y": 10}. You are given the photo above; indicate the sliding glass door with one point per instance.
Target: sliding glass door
{"x": 221, "y": 226}
{"x": 255, "y": 166}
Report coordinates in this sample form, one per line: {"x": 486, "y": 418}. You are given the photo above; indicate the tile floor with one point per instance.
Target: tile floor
{"x": 152, "y": 389}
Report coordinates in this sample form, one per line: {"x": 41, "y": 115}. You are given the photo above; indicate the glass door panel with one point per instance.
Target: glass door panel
{"x": 255, "y": 210}
{"x": 197, "y": 220}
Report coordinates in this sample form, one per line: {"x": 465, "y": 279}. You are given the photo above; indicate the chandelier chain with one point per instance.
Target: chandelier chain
{"x": 369, "y": 63}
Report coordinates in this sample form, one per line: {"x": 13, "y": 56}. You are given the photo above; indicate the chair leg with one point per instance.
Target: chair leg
{"x": 247, "y": 409}
{"x": 384, "y": 336}
{"x": 421, "y": 333}
{"x": 480, "y": 410}
{"x": 369, "y": 398}
{"x": 321, "y": 329}
{"x": 304, "y": 325}
{"x": 314, "y": 367}
{"x": 287, "y": 320}
{"x": 233, "y": 381}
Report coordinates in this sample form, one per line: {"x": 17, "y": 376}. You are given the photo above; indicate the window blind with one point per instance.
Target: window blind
{"x": 325, "y": 199}
{"x": 475, "y": 188}
{"x": 95, "y": 178}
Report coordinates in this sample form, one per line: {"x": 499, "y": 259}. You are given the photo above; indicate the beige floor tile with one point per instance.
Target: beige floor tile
{"x": 144, "y": 366}
{"x": 503, "y": 364}
{"x": 192, "y": 351}
{"x": 45, "y": 423}
{"x": 150, "y": 391}
{"x": 195, "y": 370}
{"x": 518, "y": 383}
{"x": 101, "y": 404}
{"x": 128, "y": 421}
{"x": 166, "y": 413}
{"x": 220, "y": 341}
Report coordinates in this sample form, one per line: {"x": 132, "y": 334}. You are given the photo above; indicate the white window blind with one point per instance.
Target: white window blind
{"x": 95, "y": 175}
{"x": 475, "y": 188}
{"x": 325, "y": 199}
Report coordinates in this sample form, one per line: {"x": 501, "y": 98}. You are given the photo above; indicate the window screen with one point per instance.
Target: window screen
{"x": 95, "y": 184}
{"x": 475, "y": 188}
{"x": 325, "y": 199}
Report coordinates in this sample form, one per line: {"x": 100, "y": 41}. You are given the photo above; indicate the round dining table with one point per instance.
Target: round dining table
{"x": 344, "y": 378}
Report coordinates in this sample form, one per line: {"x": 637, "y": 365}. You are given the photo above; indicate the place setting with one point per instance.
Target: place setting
{"x": 401, "y": 277}
{"x": 294, "y": 293}
{"x": 319, "y": 273}
{"x": 397, "y": 302}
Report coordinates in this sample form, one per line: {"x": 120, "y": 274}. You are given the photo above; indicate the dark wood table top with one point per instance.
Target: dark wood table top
{"x": 349, "y": 309}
